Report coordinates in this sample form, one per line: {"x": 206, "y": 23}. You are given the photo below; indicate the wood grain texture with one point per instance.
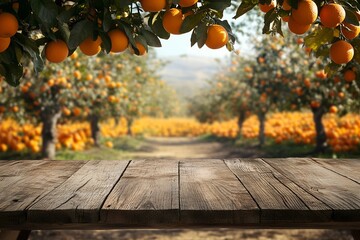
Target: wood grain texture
{"x": 341, "y": 194}
{"x": 211, "y": 194}
{"x": 349, "y": 168}
{"x": 25, "y": 182}
{"x": 146, "y": 195}
{"x": 253, "y": 193}
{"x": 80, "y": 197}
{"x": 278, "y": 198}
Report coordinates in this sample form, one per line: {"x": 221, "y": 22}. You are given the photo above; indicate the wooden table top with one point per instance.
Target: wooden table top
{"x": 248, "y": 193}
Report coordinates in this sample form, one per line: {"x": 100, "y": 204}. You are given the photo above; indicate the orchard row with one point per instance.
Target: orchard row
{"x": 297, "y": 127}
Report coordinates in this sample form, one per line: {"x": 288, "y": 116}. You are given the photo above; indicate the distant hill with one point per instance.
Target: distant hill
{"x": 188, "y": 74}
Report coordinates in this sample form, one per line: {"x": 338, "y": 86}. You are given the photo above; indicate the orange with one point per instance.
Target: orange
{"x": 300, "y": 41}
{"x": 285, "y": 18}
{"x": 172, "y": 20}
{"x": 109, "y": 144}
{"x": 56, "y": 51}
{"x": 76, "y": 111}
{"x": 314, "y": 104}
{"x": 296, "y": 27}
{"x": 217, "y": 36}
{"x": 9, "y": 25}
{"x": 74, "y": 55}
{"x": 4, "y": 44}
{"x": 153, "y": 5}
{"x": 77, "y": 74}
{"x": 333, "y": 109}
{"x": 321, "y": 74}
{"x": 349, "y": 75}
{"x": 187, "y": 3}
{"x": 119, "y": 40}
{"x": 90, "y": 47}
{"x": 306, "y": 13}
{"x": 307, "y": 82}
{"x": 332, "y": 14}
{"x": 350, "y": 31}
{"x": 341, "y": 52}
{"x": 140, "y": 47}
{"x": 138, "y": 69}
{"x": 66, "y": 111}
{"x": 267, "y": 7}
{"x": 286, "y": 6}
{"x": 15, "y": 109}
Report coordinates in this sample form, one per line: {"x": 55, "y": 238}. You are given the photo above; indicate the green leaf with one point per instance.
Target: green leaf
{"x": 201, "y": 34}
{"x": 190, "y": 22}
{"x": 269, "y": 18}
{"x": 319, "y": 37}
{"x": 80, "y": 32}
{"x": 47, "y": 11}
{"x": 128, "y": 32}
{"x": 107, "y": 20}
{"x": 155, "y": 23}
{"x": 332, "y": 69}
{"x": 65, "y": 16}
{"x": 356, "y": 44}
{"x": 351, "y": 17}
{"x": 151, "y": 38}
{"x": 123, "y": 3}
{"x": 218, "y": 5}
{"x": 193, "y": 38}
{"x": 294, "y": 3}
{"x": 12, "y": 73}
{"x": 244, "y": 7}
{"x": 106, "y": 41}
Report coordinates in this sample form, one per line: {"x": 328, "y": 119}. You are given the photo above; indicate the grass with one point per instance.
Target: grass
{"x": 122, "y": 150}
{"x": 290, "y": 149}
{"x": 274, "y": 150}
{"x": 126, "y": 147}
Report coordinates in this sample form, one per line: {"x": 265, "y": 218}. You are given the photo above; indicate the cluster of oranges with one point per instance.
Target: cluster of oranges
{"x": 331, "y": 15}
{"x": 57, "y": 51}
{"x": 173, "y": 127}
{"x": 15, "y": 137}
{"x": 343, "y": 134}
{"x": 8, "y": 28}
{"x": 217, "y": 35}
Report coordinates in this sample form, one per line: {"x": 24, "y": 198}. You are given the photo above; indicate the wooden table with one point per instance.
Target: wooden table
{"x": 240, "y": 193}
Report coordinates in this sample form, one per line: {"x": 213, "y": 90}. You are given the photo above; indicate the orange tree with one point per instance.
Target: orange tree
{"x": 135, "y": 88}
{"x": 254, "y": 85}
{"x": 78, "y": 89}
{"x": 284, "y": 77}
{"x": 29, "y": 27}
{"x": 323, "y": 93}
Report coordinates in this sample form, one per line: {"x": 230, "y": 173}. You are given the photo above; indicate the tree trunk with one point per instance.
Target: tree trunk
{"x": 262, "y": 118}
{"x": 129, "y": 125}
{"x": 241, "y": 120}
{"x": 321, "y": 144}
{"x": 49, "y": 120}
{"x": 95, "y": 129}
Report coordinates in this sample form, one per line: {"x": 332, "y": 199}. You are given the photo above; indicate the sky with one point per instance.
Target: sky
{"x": 178, "y": 45}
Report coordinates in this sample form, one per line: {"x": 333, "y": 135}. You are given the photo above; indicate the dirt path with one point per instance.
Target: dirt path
{"x": 180, "y": 148}
{"x": 177, "y": 148}
{"x": 183, "y": 147}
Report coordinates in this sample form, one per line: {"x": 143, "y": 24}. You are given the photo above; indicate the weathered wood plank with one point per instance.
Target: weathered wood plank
{"x": 27, "y": 181}
{"x": 339, "y": 193}
{"x": 80, "y": 197}
{"x": 146, "y": 195}
{"x": 349, "y": 168}
{"x": 211, "y": 194}
{"x": 278, "y": 198}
